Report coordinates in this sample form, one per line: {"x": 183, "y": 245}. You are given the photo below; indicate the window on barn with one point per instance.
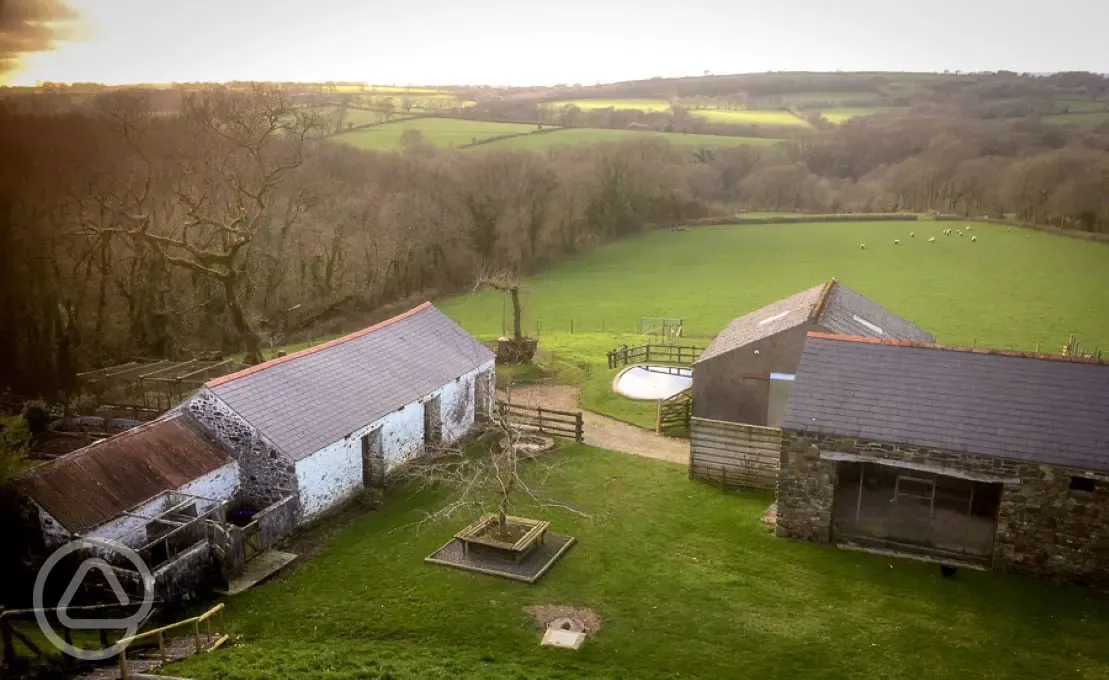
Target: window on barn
{"x": 1083, "y": 484}
{"x": 772, "y": 319}
{"x": 873, "y": 327}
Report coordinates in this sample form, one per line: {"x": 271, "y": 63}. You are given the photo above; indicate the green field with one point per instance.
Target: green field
{"x": 1089, "y": 119}
{"x": 636, "y": 104}
{"x": 749, "y": 117}
{"x": 579, "y": 136}
{"x": 845, "y": 114}
{"x": 438, "y": 131}
{"x": 1013, "y": 288}
{"x": 687, "y": 584}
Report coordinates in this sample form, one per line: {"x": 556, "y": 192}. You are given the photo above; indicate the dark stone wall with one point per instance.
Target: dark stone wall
{"x": 267, "y": 475}
{"x": 1043, "y": 527}
{"x": 720, "y": 389}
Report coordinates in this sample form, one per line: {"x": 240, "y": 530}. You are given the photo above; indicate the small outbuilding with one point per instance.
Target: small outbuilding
{"x": 745, "y": 373}
{"x": 960, "y": 455}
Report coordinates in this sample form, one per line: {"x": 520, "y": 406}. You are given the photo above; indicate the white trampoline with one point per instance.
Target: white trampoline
{"x": 652, "y": 382}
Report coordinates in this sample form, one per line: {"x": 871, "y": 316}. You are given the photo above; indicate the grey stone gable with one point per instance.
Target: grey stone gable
{"x": 1023, "y": 408}
{"x": 844, "y": 305}
{"x": 785, "y": 314}
{"x": 310, "y": 399}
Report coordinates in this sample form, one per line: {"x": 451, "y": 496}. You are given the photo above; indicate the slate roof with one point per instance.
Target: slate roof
{"x": 95, "y": 484}
{"x": 1028, "y": 407}
{"x": 312, "y": 398}
{"x": 833, "y": 306}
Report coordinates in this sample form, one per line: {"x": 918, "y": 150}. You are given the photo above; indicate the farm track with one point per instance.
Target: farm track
{"x": 604, "y": 432}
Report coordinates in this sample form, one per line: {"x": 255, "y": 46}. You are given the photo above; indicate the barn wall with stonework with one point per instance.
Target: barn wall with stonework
{"x": 266, "y": 474}
{"x": 1043, "y": 527}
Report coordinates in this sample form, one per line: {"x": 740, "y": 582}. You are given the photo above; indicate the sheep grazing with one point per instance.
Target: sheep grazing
{"x": 959, "y": 233}
{"x": 896, "y": 241}
{"x": 912, "y": 234}
{"x": 931, "y": 239}
{"x": 862, "y": 246}
{"x": 968, "y": 227}
{"x": 973, "y": 238}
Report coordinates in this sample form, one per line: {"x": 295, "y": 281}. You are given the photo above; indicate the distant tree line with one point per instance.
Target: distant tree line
{"x": 236, "y": 225}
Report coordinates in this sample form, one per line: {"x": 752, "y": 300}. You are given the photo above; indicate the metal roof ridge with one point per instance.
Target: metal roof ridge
{"x": 819, "y": 335}
{"x": 89, "y": 449}
{"x": 216, "y": 382}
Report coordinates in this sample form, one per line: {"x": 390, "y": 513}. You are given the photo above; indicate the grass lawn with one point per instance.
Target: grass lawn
{"x": 750, "y": 117}
{"x": 687, "y": 583}
{"x": 638, "y": 104}
{"x": 579, "y": 136}
{"x": 843, "y": 115}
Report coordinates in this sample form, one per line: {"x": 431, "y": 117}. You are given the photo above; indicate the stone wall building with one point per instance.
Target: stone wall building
{"x": 972, "y": 456}
{"x": 745, "y": 373}
{"x": 281, "y": 442}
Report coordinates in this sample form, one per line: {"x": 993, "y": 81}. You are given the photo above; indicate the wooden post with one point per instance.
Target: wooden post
{"x": 602, "y": 325}
{"x": 196, "y": 635}
{"x": 658, "y": 417}
{"x": 222, "y": 627}
{"x": 123, "y": 664}
{"x": 579, "y": 430}
{"x": 539, "y": 410}
{"x": 571, "y": 326}
{"x": 162, "y": 646}
{"x": 9, "y": 644}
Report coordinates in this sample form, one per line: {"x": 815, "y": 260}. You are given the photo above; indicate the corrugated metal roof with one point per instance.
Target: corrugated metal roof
{"x": 1003, "y": 404}
{"x": 95, "y": 484}
{"x": 833, "y": 306}
{"x": 307, "y": 400}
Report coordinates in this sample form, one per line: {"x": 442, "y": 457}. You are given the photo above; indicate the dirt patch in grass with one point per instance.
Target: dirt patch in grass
{"x": 543, "y": 614}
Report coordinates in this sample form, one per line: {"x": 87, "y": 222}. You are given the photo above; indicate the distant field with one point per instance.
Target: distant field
{"x": 634, "y": 104}
{"x": 439, "y": 131}
{"x": 749, "y": 117}
{"x": 578, "y": 136}
{"x": 1085, "y": 120}
{"x": 846, "y": 114}
{"x": 1084, "y": 105}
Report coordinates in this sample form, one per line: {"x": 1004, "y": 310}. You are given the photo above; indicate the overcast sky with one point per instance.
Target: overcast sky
{"x": 518, "y": 42}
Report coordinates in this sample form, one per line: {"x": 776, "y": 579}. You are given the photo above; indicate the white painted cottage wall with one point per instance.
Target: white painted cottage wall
{"x": 220, "y": 484}
{"x": 334, "y": 473}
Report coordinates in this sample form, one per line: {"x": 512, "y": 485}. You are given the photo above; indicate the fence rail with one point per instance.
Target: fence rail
{"x": 682, "y": 355}
{"x": 544, "y": 420}
{"x": 203, "y": 643}
{"x": 733, "y": 454}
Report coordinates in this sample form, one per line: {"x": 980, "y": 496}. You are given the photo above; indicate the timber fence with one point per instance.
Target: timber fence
{"x": 682, "y": 355}
{"x": 550, "y": 421}
{"x": 733, "y": 454}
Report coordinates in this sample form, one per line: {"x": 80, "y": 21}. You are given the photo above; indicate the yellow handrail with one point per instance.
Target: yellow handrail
{"x": 149, "y": 633}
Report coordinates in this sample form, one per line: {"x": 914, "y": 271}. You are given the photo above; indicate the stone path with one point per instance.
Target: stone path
{"x": 604, "y": 432}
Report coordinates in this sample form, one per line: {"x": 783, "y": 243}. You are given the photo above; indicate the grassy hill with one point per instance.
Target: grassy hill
{"x": 438, "y": 131}
{"x": 578, "y": 136}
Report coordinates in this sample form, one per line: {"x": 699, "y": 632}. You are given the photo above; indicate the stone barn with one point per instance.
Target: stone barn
{"x": 326, "y": 422}
{"x": 971, "y": 456}
{"x": 745, "y": 373}
{"x": 152, "y": 488}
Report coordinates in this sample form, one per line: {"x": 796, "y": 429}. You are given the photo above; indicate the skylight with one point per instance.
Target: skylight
{"x": 772, "y": 319}
{"x": 869, "y": 325}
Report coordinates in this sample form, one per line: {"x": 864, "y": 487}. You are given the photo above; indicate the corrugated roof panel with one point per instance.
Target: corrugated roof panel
{"x": 95, "y": 484}
{"x": 998, "y": 404}
{"x": 310, "y": 399}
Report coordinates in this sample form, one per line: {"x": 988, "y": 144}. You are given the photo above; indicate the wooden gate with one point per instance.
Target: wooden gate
{"x": 675, "y": 412}
{"x": 544, "y": 420}
{"x": 252, "y": 539}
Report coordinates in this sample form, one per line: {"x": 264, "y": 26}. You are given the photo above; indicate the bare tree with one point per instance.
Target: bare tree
{"x": 494, "y": 480}
{"x": 508, "y": 283}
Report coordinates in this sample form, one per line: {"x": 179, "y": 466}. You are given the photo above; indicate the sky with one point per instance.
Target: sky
{"x": 502, "y": 42}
